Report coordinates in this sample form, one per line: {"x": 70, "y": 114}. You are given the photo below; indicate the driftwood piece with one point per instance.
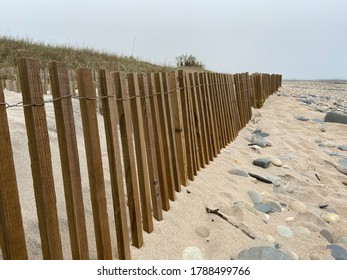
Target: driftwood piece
{"x": 216, "y": 212}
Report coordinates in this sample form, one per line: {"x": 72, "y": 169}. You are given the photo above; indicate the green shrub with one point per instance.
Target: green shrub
{"x": 186, "y": 60}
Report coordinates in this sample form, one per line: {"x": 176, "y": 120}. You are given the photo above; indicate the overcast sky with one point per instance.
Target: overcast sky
{"x": 304, "y": 39}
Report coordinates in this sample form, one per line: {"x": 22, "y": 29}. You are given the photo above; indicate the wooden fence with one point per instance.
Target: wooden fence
{"x": 161, "y": 128}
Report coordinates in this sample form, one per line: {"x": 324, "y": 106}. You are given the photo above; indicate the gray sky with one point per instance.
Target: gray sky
{"x": 304, "y": 39}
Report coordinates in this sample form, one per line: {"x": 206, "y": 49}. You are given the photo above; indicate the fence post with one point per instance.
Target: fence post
{"x": 210, "y": 130}
{"x": 177, "y": 117}
{"x": 182, "y": 82}
{"x": 159, "y": 90}
{"x": 222, "y": 109}
{"x": 168, "y": 93}
{"x": 197, "y": 122}
{"x": 40, "y": 154}
{"x": 111, "y": 122}
{"x": 12, "y": 239}
{"x": 202, "y": 113}
{"x": 126, "y": 128}
{"x": 141, "y": 154}
{"x": 158, "y": 136}
{"x": 213, "y": 94}
{"x": 239, "y": 96}
{"x": 234, "y": 108}
{"x": 69, "y": 160}
{"x": 87, "y": 93}
{"x": 192, "y": 129}
{"x": 150, "y": 147}
{"x": 247, "y": 97}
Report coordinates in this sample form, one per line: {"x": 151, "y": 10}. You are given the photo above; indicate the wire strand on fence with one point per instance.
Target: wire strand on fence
{"x": 20, "y": 104}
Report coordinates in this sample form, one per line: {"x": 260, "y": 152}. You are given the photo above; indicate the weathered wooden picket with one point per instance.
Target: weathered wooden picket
{"x": 161, "y": 129}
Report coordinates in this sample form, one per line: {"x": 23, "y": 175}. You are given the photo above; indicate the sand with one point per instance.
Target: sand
{"x": 301, "y": 146}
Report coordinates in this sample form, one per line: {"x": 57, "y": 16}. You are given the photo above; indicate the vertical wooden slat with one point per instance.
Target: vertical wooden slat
{"x": 158, "y": 137}
{"x": 232, "y": 105}
{"x": 159, "y": 90}
{"x": 69, "y": 160}
{"x": 222, "y": 109}
{"x": 202, "y": 117}
{"x": 40, "y": 154}
{"x": 126, "y": 128}
{"x": 208, "y": 116}
{"x": 210, "y": 101}
{"x": 219, "y": 110}
{"x": 215, "y": 111}
{"x": 239, "y": 98}
{"x": 150, "y": 146}
{"x": 197, "y": 120}
{"x": 12, "y": 239}
{"x": 168, "y": 93}
{"x": 192, "y": 126}
{"x": 247, "y": 100}
{"x": 87, "y": 93}
{"x": 110, "y": 115}
{"x": 177, "y": 116}
{"x": 227, "y": 107}
{"x": 186, "y": 124}
{"x": 141, "y": 153}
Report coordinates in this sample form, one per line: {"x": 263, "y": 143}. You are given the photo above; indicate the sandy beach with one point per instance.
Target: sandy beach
{"x": 301, "y": 212}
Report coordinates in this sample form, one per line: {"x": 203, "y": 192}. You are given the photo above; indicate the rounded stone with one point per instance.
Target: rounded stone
{"x": 265, "y": 208}
{"x": 238, "y": 172}
{"x": 284, "y": 231}
{"x": 202, "y": 231}
{"x": 258, "y": 140}
{"x": 262, "y": 253}
{"x": 342, "y": 147}
{"x": 336, "y": 117}
{"x": 329, "y": 144}
{"x": 290, "y": 219}
{"x": 323, "y": 205}
{"x": 327, "y": 235}
{"x": 301, "y": 118}
{"x": 275, "y": 206}
{"x": 330, "y": 217}
{"x": 298, "y": 207}
{"x": 338, "y": 252}
{"x": 342, "y": 239}
{"x": 268, "y": 143}
{"x": 255, "y": 196}
{"x": 192, "y": 253}
{"x": 303, "y": 231}
{"x": 277, "y": 162}
{"x": 262, "y": 162}
{"x": 342, "y": 168}
{"x": 343, "y": 161}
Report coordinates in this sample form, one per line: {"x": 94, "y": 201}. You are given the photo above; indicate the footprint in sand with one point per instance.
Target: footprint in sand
{"x": 202, "y": 231}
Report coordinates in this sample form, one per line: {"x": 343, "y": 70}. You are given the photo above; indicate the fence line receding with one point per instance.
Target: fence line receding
{"x": 160, "y": 130}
